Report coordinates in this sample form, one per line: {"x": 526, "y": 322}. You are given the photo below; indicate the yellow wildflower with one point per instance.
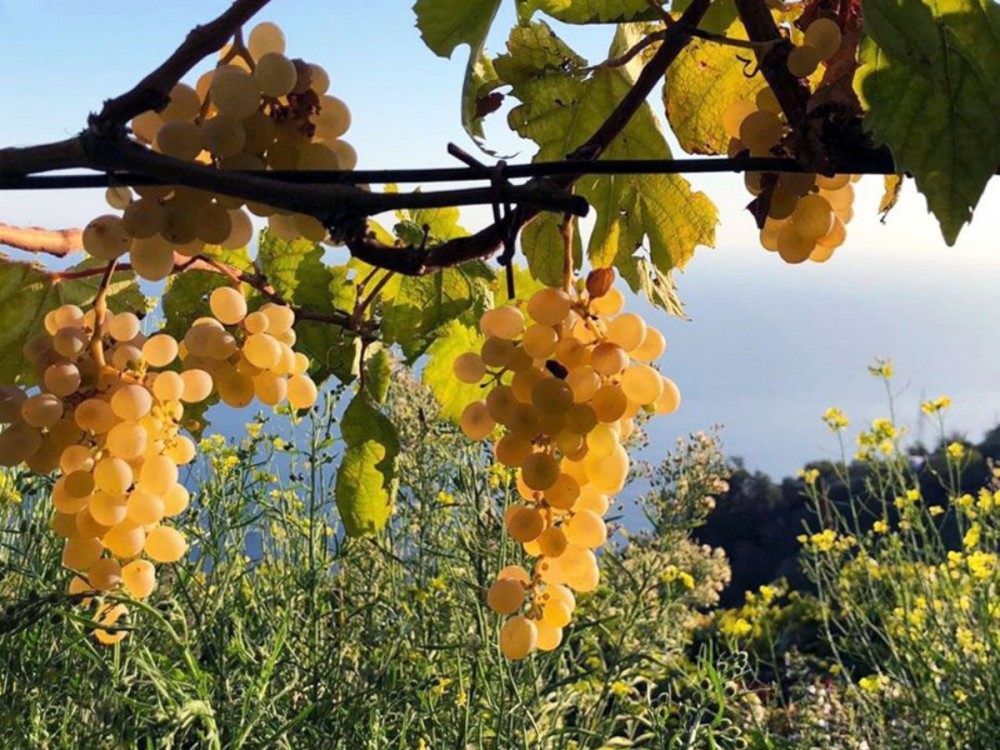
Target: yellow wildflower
{"x": 981, "y": 564}
{"x": 254, "y": 428}
{"x": 445, "y": 498}
{"x": 880, "y": 527}
{"x": 881, "y": 368}
{"x": 835, "y": 419}
{"x": 971, "y": 538}
{"x": 809, "y": 476}
{"x": 873, "y": 683}
{"x": 935, "y": 405}
{"x": 738, "y": 627}
{"x": 935, "y": 510}
{"x": 955, "y": 451}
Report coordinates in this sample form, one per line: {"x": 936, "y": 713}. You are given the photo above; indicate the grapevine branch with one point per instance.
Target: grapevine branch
{"x": 58, "y": 242}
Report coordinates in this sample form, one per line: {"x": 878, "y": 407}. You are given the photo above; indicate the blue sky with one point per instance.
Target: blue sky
{"x": 768, "y": 346}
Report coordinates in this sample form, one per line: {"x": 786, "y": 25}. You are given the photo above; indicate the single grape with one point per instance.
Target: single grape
{"x": 165, "y": 545}
{"x": 518, "y": 637}
{"x": 505, "y": 596}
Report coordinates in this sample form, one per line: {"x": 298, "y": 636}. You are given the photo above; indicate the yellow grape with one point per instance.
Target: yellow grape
{"x": 608, "y": 359}
{"x": 302, "y": 392}
{"x": 234, "y": 92}
{"x": 583, "y": 382}
{"x": 113, "y": 475}
{"x": 587, "y": 529}
{"x": 824, "y": 35}
{"x": 63, "y": 525}
{"x": 105, "y": 574}
{"x": 516, "y": 572}
{"x": 266, "y": 37}
{"x": 105, "y": 238}
{"x": 839, "y": 199}
{"x": 228, "y": 305}
{"x": 145, "y": 126}
{"x": 469, "y": 368}
{"x": 139, "y": 578}
{"x": 159, "y": 350}
{"x": 18, "y": 443}
{"x": 760, "y": 131}
{"x": 123, "y": 327}
{"x": 836, "y": 182}
{"x": 63, "y": 501}
{"x": 518, "y": 637}
{"x": 551, "y": 396}
{"x": 107, "y": 509}
{"x": 500, "y": 402}
{"x": 651, "y": 348}
{"x": 241, "y": 232}
{"x": 669, "y": 400}
{"x": 812, "y": 218}
{"x": 334, "y": 118}
{"x": 126, "y": 539}
{"x": 42, "y": 410}
{"x": 144, "y": 507}
{"x": 82, "y": 552}
{"x": 476, "y": 421}
{"x": 79, "y": 483}
{"x": 175, "y": 500}
{"x": 270, "y": 389}
{"x": 608, "y": 473}
{"x": 540, "y": 341}
{"x": 275, "y": 74}
{"x": 578, "y": 568}
{"x": 185, "y": 104}
{"x": 552, "y": 542}
{"x": 835, "y": 237}
{"x": 505, "y": 596}
{"x": 609, "y": 403}
{"x": 592, "y": 499}
{"x": 76, "y": 458}
{"x": 564, "y": 492}
{"x": 821, "y": 254}
{"x": 152, "y": 259}
{"x": 197, "y": 385}
{"x": 181, "y": 450}
{"x": 131, "y": 402}
{"x": 262, "y": 350}
{"x": 572, "y": 353}
{"x": 524, "y": 524}
{"x": 792, "y": 246}
{"x": 602, "y": 441}
{"x": 524, "y": 421}
{"x": 803, "y": 61}
{"x": 127, "y": 440}
{"x": 523, "y": 383}
{"x": 109, "y": 614}
{"x": 581, "y": 418}
{"x": 87, "y": 526}
{"x": 165, "y": 545}
{"x": 180, "y": 139}
{"x": 512, "y": 450}
{"x": 540, "y": 471}
{"x": 556, "y": 613}
{"x": 765, "y": 99}
{"x": 549, "y": 306}
{"x": 641, "y": 384}
{"x": 506, "y": 322}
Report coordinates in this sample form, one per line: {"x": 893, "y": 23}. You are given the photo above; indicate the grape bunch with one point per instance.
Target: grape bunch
{"x": 257, "y": 110}
{"x": 566, "y": 377}
{"x": 802, "y": 216}
{"x": 806, "y": 214}
{"x": 107, "y": 418}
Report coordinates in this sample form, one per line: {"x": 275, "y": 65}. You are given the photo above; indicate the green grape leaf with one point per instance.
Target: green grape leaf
{"x": 563, "y": 104}
{"x": 28, "y": 292}
{"x": 544, "y": 247}
{"x": 453, "y": 396}
{"x": 929, "y": 82}
{"x": 701, "y": 85}
{"x": 366, "y": 478}
{"x": 297, "y": 272}
{"x": 378, "y": 375}
{"x": 444, "y": 25}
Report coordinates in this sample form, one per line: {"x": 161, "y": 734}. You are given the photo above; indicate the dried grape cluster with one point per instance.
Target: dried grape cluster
{"x": 566, "y": 375}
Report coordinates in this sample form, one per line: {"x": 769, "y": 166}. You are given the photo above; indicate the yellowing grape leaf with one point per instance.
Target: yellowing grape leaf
{"x": 588, "y": 11}
{"x": 366, "y": 478}
{"x": 378, "y": 375}
{"x": 455, "y": 339}
{"x": 28, "y": 292}
{"x": 701, "y": 85}
{"x": 562, "y": 105}
{"x": 929, "y": 82}
{"x": 444, "y": 25}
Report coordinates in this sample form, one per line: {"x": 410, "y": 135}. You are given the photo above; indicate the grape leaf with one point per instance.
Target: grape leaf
{"x": 366, "y": 481}
{"x": 544, "y": 247}
{"x": 453, "y": 396}
{"x": 704, "y": 81}
{"x": 378, "y": 375}
{"x": 297, "y": 272}
{"x": 929, "y": 81}
{"x": 28, "y": 292}
{"x": 444, "y": 25}
{"x": 587, "y": 11}
{"x": 563, "y": 104}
